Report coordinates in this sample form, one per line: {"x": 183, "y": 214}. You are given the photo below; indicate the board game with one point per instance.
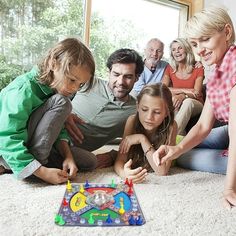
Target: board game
{"x": 92, "y": 204}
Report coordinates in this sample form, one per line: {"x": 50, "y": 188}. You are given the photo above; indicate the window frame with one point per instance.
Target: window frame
{"x": 193, "y": 6}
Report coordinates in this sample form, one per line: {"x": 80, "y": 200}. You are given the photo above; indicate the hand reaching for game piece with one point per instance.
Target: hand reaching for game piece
{"x": 70, "y": 167}
{"x": 136, "y": 175}
{"x": 51, "y": 175}
{"x": 166, "y": 153}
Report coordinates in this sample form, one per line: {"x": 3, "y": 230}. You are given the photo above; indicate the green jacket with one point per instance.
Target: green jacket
{"x": 17, "y": 101}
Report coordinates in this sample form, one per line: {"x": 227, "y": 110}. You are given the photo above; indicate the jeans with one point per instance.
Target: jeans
{"x": 207, "y": 156}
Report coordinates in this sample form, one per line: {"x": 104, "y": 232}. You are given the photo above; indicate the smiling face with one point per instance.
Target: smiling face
{"x": 153, "y": 52}
{"x": 212, "y": 48}
{"x": 70, "y": 84}
{"x": 121, "y": 80}
{"x": 152, "y": 111}
{"x": 178, "y": 52}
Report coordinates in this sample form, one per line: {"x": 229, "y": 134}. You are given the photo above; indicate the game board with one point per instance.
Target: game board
{"x": 100, "y": 205}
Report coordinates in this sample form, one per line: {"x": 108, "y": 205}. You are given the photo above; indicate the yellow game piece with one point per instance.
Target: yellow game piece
{"x": 69, "y": 186}
{"x": 122, "y": 210}
{"x": 81, "y": 188}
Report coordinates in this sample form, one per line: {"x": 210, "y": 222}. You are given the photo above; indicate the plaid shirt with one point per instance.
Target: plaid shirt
{"x": 220, "y": 83}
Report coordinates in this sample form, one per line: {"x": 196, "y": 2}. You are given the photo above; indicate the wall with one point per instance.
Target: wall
{"x": 230, "y": 5}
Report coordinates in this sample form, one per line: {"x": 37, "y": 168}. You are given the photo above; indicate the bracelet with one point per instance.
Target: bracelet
{"x": 148, "y": 150}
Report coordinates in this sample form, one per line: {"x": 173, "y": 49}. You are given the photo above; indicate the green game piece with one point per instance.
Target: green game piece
{"x": 112, "y": 183}
{"x": 59, "y": 220}
{"x": 91, "y": 220}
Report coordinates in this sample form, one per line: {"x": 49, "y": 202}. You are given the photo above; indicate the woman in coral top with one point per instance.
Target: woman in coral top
{"x": 185, "y": 81}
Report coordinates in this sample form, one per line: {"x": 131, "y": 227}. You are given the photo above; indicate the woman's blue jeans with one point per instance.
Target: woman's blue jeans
{"x": 208, "y": 156}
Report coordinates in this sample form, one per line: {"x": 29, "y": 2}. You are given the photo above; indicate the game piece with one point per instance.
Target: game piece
{"x": 64, "y": 203}
{"x": 81, "y": 188}
{"x": 112, "y": 183}
{"x": 121, "y": 210}
{"x": 130, "y": 192}
{"x": 132, "y": 220}
{"x": 59, "y": 220}
{"x": 99, "y": 205}
{"x": 109, "y": 219}
{"x": 139, "y": 220}
{"x": 91, "y": 220}
{"x": 131, "y": 183}
{"x": 86, "y": 184}
{"x": 69, "y": 186}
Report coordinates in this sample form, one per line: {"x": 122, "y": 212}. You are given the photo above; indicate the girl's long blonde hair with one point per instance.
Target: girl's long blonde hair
{"x": 163, "y": 132}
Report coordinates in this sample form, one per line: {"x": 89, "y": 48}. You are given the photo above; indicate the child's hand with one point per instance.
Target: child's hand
{"x": 137, "y": 175}
{"x": 128, "y": 141}
{"x": 51, "y": 175}
{"x": 69, "y": 165}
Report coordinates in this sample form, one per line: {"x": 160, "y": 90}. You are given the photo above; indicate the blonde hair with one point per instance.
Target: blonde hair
{"x": 163, "y": 132}
{"x": 206, "y": 22}
{"x": 68, "y": 52}
{"x": 190, "y": 58}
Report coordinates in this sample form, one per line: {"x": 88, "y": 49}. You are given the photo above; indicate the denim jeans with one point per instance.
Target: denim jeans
{"x": 207, "y": 156}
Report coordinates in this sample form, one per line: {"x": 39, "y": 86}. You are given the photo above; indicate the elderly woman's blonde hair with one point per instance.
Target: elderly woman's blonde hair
{"x": 190, "y": 58}
{"x": 206, "y": 22}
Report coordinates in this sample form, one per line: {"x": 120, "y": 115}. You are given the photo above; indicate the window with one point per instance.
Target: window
{"x": 29, "y": 28}
{"x": 131, "y": 24}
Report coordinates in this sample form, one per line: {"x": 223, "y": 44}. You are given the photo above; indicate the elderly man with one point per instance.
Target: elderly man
{"x": 154, "y": 67}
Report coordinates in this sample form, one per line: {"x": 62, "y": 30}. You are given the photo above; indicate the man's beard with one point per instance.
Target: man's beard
{"x": 153, "y": 62}
{"x": 123, "y": 94}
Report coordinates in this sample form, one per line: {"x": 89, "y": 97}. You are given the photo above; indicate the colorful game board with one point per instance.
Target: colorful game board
{"x": 100, "y": 205}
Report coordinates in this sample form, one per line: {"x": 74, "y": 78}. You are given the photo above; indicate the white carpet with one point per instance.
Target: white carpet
{"x": 183, "y": 203}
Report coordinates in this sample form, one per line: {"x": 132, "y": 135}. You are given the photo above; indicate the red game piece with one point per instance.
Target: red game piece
{"x": 65, "y": 203}
{"x": 127, "y": 181}
{"x": 130, "y": 192}
{"x": 131, "y": 183}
